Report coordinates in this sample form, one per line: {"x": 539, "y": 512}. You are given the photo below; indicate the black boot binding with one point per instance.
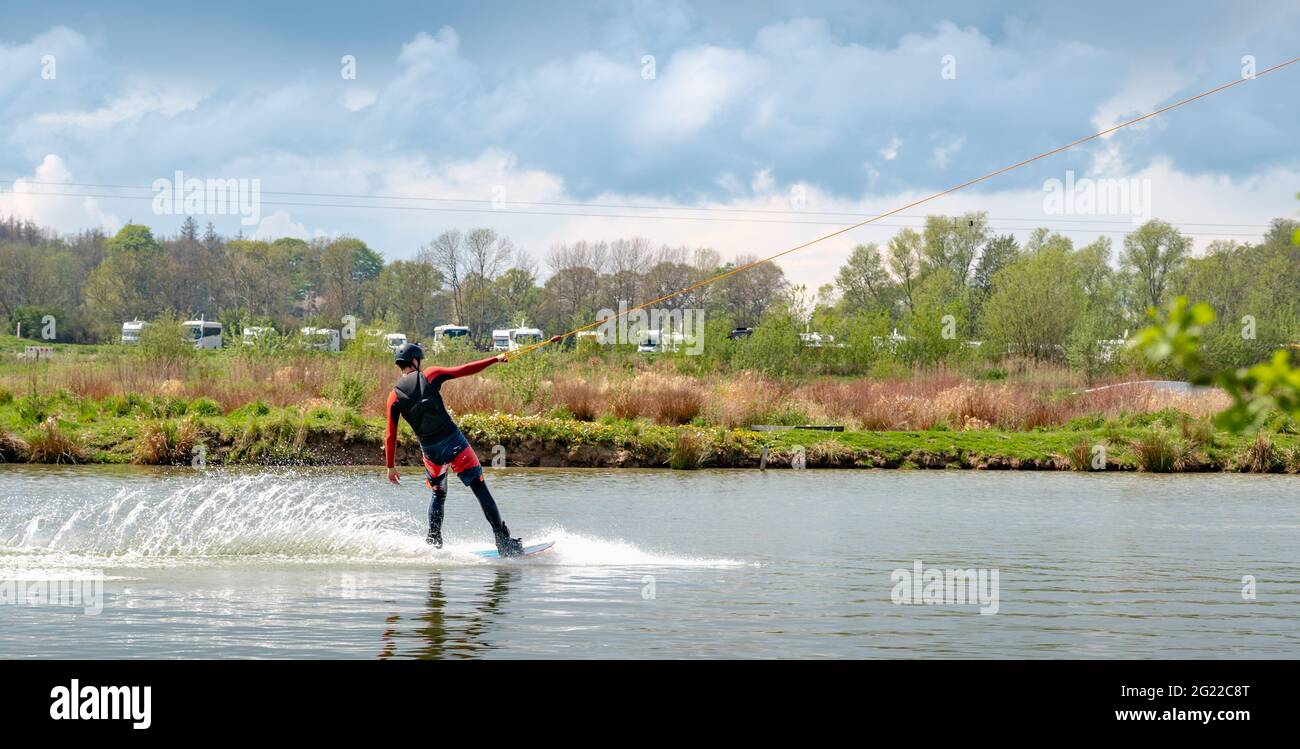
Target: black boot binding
{"x": 507, "y": 546}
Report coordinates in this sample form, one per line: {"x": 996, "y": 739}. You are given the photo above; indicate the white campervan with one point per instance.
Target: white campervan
{"x": 394, "y": 341}
{"x": 131, "y": 331}
{"x": 444, "y": 334}
{"x": 203, "y": 333}
{"x": 254, "y": 334}
{"x": 321, "y": 339}
{"x": 513, "y": 339}
{"x": 655, "y": 341}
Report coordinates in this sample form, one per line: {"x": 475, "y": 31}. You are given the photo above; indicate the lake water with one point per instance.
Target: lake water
{"x": 331, "y": 563}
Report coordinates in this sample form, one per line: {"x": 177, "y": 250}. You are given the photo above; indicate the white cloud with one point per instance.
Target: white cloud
{"x": 128, "y": 108}
{"x": 280, "y": 224}
{"x": 357, "y": 99}
{"x": 49, "y": 199}
{"x": 696, "y": 86}
{"x": 1140, "y": 94}
{"x": 943, "y": 152}
{"x": 890, "y": 151}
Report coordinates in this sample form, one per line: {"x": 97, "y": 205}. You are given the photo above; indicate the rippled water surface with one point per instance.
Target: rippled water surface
{"x": 330, "y": 563}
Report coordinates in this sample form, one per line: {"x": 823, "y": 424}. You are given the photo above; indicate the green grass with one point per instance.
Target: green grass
{"x": 339, "y": 429}
{"x": 112, "y": 431}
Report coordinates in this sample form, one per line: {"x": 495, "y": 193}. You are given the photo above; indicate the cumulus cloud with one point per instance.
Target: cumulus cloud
{"x": 128, "y": 108}
{"x": 941, "y": 154}
{"x": 49, "y": 198}
{"x": 735, "y": 116}
{"x": 357, "y": 99}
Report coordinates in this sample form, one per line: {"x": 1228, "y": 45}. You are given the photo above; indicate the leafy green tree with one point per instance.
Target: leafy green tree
{"x": 1034, "y": 305}
{"x": 952, "y": 243}
{"x": 938, "y": 324}
{"x": 410, "y": 292}
{"x": 864, "y": 281}
{"x": 774, "y": 347}
{"x": 1257, "y": 392}
{"x": 905, "y": 263}
{"x": 130, "y": 282}
{"x": 1153, "y": 255}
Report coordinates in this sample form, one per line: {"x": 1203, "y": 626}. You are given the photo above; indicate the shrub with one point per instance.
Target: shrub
{"x": 165, "y": 442}
{"x": 1293, "y": 460}
{"x": 675, "y": 401}
{"x": 33, "y": 409}
{"x": 51, "y": 445}
{"x": 164, "y": 342}
{"x": 12, "y": 448}
{"x": 1158, "y": 451}
{"x": 256, "y": 408}
{"x": 1260, "y": 456}
{"x": 280, "y": 441}
{"x": 1198, "y": 432}
{"x": 350, "y": 392}
{"x": 580, "y": 397}
{"x": 204, "y": 407}
{"x": 1079, "y": 456}
{"x": 690, "y": 450}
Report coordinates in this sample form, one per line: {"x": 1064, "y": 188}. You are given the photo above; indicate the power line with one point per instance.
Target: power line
{"x": 927, "y": 199}
{"x": 557, "y": 204}
{"x": 653, "y": 217}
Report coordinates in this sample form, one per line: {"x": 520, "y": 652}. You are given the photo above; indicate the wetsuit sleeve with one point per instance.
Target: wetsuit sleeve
{"x": 473, "y": 367}
{"x": 390, "y": 438}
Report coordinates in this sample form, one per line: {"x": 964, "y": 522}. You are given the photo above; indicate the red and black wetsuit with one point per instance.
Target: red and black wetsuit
{"x": 417, "y": 398}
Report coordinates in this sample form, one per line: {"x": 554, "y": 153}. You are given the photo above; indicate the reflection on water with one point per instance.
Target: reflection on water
{"x": 439, "y": 631}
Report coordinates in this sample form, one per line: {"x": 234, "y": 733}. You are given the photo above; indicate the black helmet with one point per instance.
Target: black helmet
{"x": 407, "y": 353}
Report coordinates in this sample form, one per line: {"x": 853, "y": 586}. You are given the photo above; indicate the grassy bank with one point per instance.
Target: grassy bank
{"x": 113, "y": 404}
{"x": 160, "y": 431}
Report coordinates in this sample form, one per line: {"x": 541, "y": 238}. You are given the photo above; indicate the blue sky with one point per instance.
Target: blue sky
{"x": 750, "y": 104}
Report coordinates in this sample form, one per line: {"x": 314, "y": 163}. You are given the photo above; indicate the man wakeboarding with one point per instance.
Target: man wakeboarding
{"x": 417, "y": 398}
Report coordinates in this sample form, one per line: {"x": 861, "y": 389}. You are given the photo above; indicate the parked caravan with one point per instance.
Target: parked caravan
{"x": 131, "y": 331}
{"x": 321, "y": 339}
{"x": 204, "y": 334}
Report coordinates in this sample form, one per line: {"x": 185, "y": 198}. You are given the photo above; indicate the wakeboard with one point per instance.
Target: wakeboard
{"x": 528, "y": 550}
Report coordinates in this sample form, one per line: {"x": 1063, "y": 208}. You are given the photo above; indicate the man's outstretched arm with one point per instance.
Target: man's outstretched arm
{"x": 473, "y": 367}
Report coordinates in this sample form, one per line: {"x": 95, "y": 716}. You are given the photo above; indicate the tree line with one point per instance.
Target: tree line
{"x": 92, "y": 283}
{"x": 952, "y": 290}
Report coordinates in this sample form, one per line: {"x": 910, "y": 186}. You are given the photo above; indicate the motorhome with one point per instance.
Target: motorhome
{"x": 525, "y": 337}
{"x": 204, "y": 334}
{"x": 394, "y": 341}
{"x": 816, "y": 340}
{"x": 512, "y": 339}
{"x": 131, "y": 331}
{"x": 444, "y": 334}
{"x": 254, "y": 334}
{"x": 321, "y": 339}
{"x": 890, "y": 342}
{"x": 655, "y": 341}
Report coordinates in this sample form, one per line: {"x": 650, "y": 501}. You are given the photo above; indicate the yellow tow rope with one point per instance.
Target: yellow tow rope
{"x": 837, "y": 232}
